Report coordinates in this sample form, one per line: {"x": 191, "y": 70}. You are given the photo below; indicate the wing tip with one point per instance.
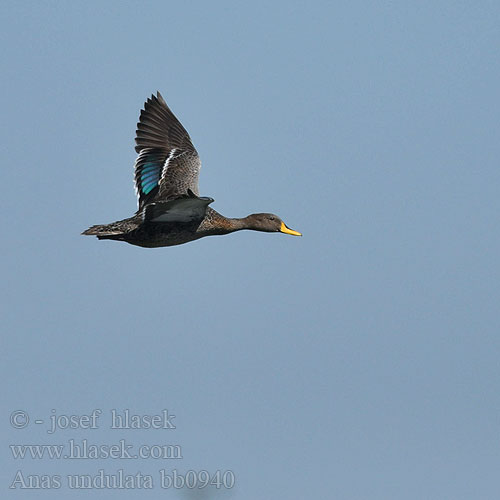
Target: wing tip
{"x": 151, "y": 102}
{"x": 160, "y": 97}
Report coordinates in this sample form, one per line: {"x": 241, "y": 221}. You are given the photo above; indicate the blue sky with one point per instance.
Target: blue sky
{"x": 357, "y": 362}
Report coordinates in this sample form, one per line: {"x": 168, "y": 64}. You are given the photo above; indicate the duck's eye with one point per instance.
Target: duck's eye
{"x": 272, "y": 218}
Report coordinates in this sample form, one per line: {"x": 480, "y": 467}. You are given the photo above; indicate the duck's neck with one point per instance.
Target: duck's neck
{"x": 239, "y": 224}
{"x": 224, "y": 225}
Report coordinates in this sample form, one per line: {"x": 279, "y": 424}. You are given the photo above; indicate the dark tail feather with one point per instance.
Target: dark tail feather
{"x": 119, "y": 237}
{"x": 106, "y": 232}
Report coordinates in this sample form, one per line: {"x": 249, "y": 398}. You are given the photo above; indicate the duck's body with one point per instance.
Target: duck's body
{"x": 165, "y": 234}
{"x": 171, "y": 212}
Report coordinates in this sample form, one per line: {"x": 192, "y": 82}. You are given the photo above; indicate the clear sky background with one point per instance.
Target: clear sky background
{"x": 358, "y": 362}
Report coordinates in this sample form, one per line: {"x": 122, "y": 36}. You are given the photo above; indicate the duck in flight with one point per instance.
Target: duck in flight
{"x": 171, "y": 211}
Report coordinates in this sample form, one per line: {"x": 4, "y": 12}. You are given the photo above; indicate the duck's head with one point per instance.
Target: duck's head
{"x": 269, "y": 223}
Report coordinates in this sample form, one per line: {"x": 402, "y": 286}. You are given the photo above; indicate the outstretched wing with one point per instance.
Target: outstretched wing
{"x": 168, "y": 164}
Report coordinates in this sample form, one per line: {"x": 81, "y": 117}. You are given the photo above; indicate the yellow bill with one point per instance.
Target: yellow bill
{"x": 287, "y": 230}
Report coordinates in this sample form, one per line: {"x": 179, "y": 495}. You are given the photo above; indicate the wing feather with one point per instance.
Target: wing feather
{"x": 168, "y": 164}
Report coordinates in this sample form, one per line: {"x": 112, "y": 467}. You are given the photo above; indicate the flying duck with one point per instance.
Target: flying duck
{"x": 171, "y": 211}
